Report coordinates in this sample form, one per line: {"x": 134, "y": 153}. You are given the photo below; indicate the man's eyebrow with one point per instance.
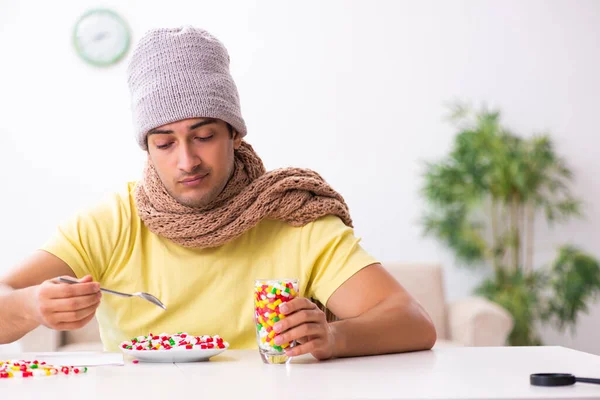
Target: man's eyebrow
{"x": 158, "y": 131}
{"x": 191, "y": 128}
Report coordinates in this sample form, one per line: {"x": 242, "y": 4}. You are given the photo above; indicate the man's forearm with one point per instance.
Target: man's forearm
{"x": 14, "y": 319}
{"x": 394, "y": 325}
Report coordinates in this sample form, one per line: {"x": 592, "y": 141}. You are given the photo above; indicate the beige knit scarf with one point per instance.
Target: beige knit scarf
{"x": 296, "y": 196}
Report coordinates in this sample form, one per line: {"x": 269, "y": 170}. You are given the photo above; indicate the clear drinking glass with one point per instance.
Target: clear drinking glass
{"x": 269, "y": 294}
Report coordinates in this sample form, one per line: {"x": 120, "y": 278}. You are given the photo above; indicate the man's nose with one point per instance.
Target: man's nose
{"x": 187, "y": 160}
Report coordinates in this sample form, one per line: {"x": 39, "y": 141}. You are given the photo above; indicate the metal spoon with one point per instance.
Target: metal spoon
{"x": 143, "y": 295}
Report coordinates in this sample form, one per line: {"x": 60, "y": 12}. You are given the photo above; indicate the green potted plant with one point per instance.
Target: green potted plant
{"x": 483, "y": 200}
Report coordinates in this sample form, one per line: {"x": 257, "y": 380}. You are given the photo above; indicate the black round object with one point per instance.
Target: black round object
{"x": 552, "y": 379}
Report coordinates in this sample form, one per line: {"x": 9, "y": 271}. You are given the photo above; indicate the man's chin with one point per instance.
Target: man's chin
{"x": 195, "y": 201}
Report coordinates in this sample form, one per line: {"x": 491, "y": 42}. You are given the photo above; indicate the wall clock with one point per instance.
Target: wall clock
{"x": 101, "y": 37}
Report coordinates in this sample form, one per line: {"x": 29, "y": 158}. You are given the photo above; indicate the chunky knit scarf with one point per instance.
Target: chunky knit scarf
{"x": 296, "y": 196}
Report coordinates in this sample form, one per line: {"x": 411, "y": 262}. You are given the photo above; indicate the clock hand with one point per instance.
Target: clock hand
{"x": 100, "y": 36}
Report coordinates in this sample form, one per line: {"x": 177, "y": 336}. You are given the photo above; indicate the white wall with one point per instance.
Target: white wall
{"x": 352, "y": 89}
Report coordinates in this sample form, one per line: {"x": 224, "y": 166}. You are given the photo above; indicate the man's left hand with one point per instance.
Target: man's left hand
{"x": 306, "y": 324}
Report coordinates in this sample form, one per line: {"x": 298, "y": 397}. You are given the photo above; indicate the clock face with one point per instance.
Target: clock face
{"x": 101, "y": 37}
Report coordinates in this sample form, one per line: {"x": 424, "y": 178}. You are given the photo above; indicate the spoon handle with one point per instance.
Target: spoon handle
{"x": 72, "y": 281}
{"x": 116, "y": 293}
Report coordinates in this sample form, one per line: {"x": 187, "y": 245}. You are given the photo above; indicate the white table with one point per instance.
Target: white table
{"x": 449, "y": 373}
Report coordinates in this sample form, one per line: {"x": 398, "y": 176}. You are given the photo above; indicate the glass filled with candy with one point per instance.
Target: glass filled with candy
{"x": 269, "y": 295}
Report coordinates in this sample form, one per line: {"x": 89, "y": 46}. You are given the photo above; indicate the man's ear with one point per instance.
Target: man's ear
{"x": 237, "y": 140}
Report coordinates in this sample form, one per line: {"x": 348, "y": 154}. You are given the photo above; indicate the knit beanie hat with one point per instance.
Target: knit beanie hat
{"x": 181, "y": 73}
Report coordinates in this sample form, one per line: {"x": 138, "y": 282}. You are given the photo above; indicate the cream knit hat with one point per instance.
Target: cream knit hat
{"x": 181, "y": 73}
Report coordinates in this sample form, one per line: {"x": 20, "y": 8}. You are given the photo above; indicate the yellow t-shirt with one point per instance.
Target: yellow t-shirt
{"x": 206, "y": 291}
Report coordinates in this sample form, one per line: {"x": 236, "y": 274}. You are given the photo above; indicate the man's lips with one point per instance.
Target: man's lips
{"x": 192, "y": 180}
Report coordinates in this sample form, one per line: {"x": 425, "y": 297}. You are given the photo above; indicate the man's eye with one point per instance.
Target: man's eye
{"x": 204, "y": 139}
{"x": 163, "y": 146}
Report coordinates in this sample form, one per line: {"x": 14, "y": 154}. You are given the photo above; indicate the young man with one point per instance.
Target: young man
{"x": 205, "y": 222}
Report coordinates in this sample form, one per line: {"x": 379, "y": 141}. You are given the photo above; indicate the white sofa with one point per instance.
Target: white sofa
{"x": 471, "y": 321}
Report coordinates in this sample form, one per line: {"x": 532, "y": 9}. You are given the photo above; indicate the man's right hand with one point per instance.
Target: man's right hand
{"x": 64, "y": 306}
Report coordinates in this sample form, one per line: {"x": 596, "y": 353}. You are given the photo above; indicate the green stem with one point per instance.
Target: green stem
{"x": 515, "y": 240}
{"x": 530, "y": 222}
{"x": 504, "y": 230}
{"x": 522, "y": 233}
{"x": 494, "y": 246}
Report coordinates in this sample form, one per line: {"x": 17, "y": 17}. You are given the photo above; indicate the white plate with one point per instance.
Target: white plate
{"x": 173, "y": 355}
